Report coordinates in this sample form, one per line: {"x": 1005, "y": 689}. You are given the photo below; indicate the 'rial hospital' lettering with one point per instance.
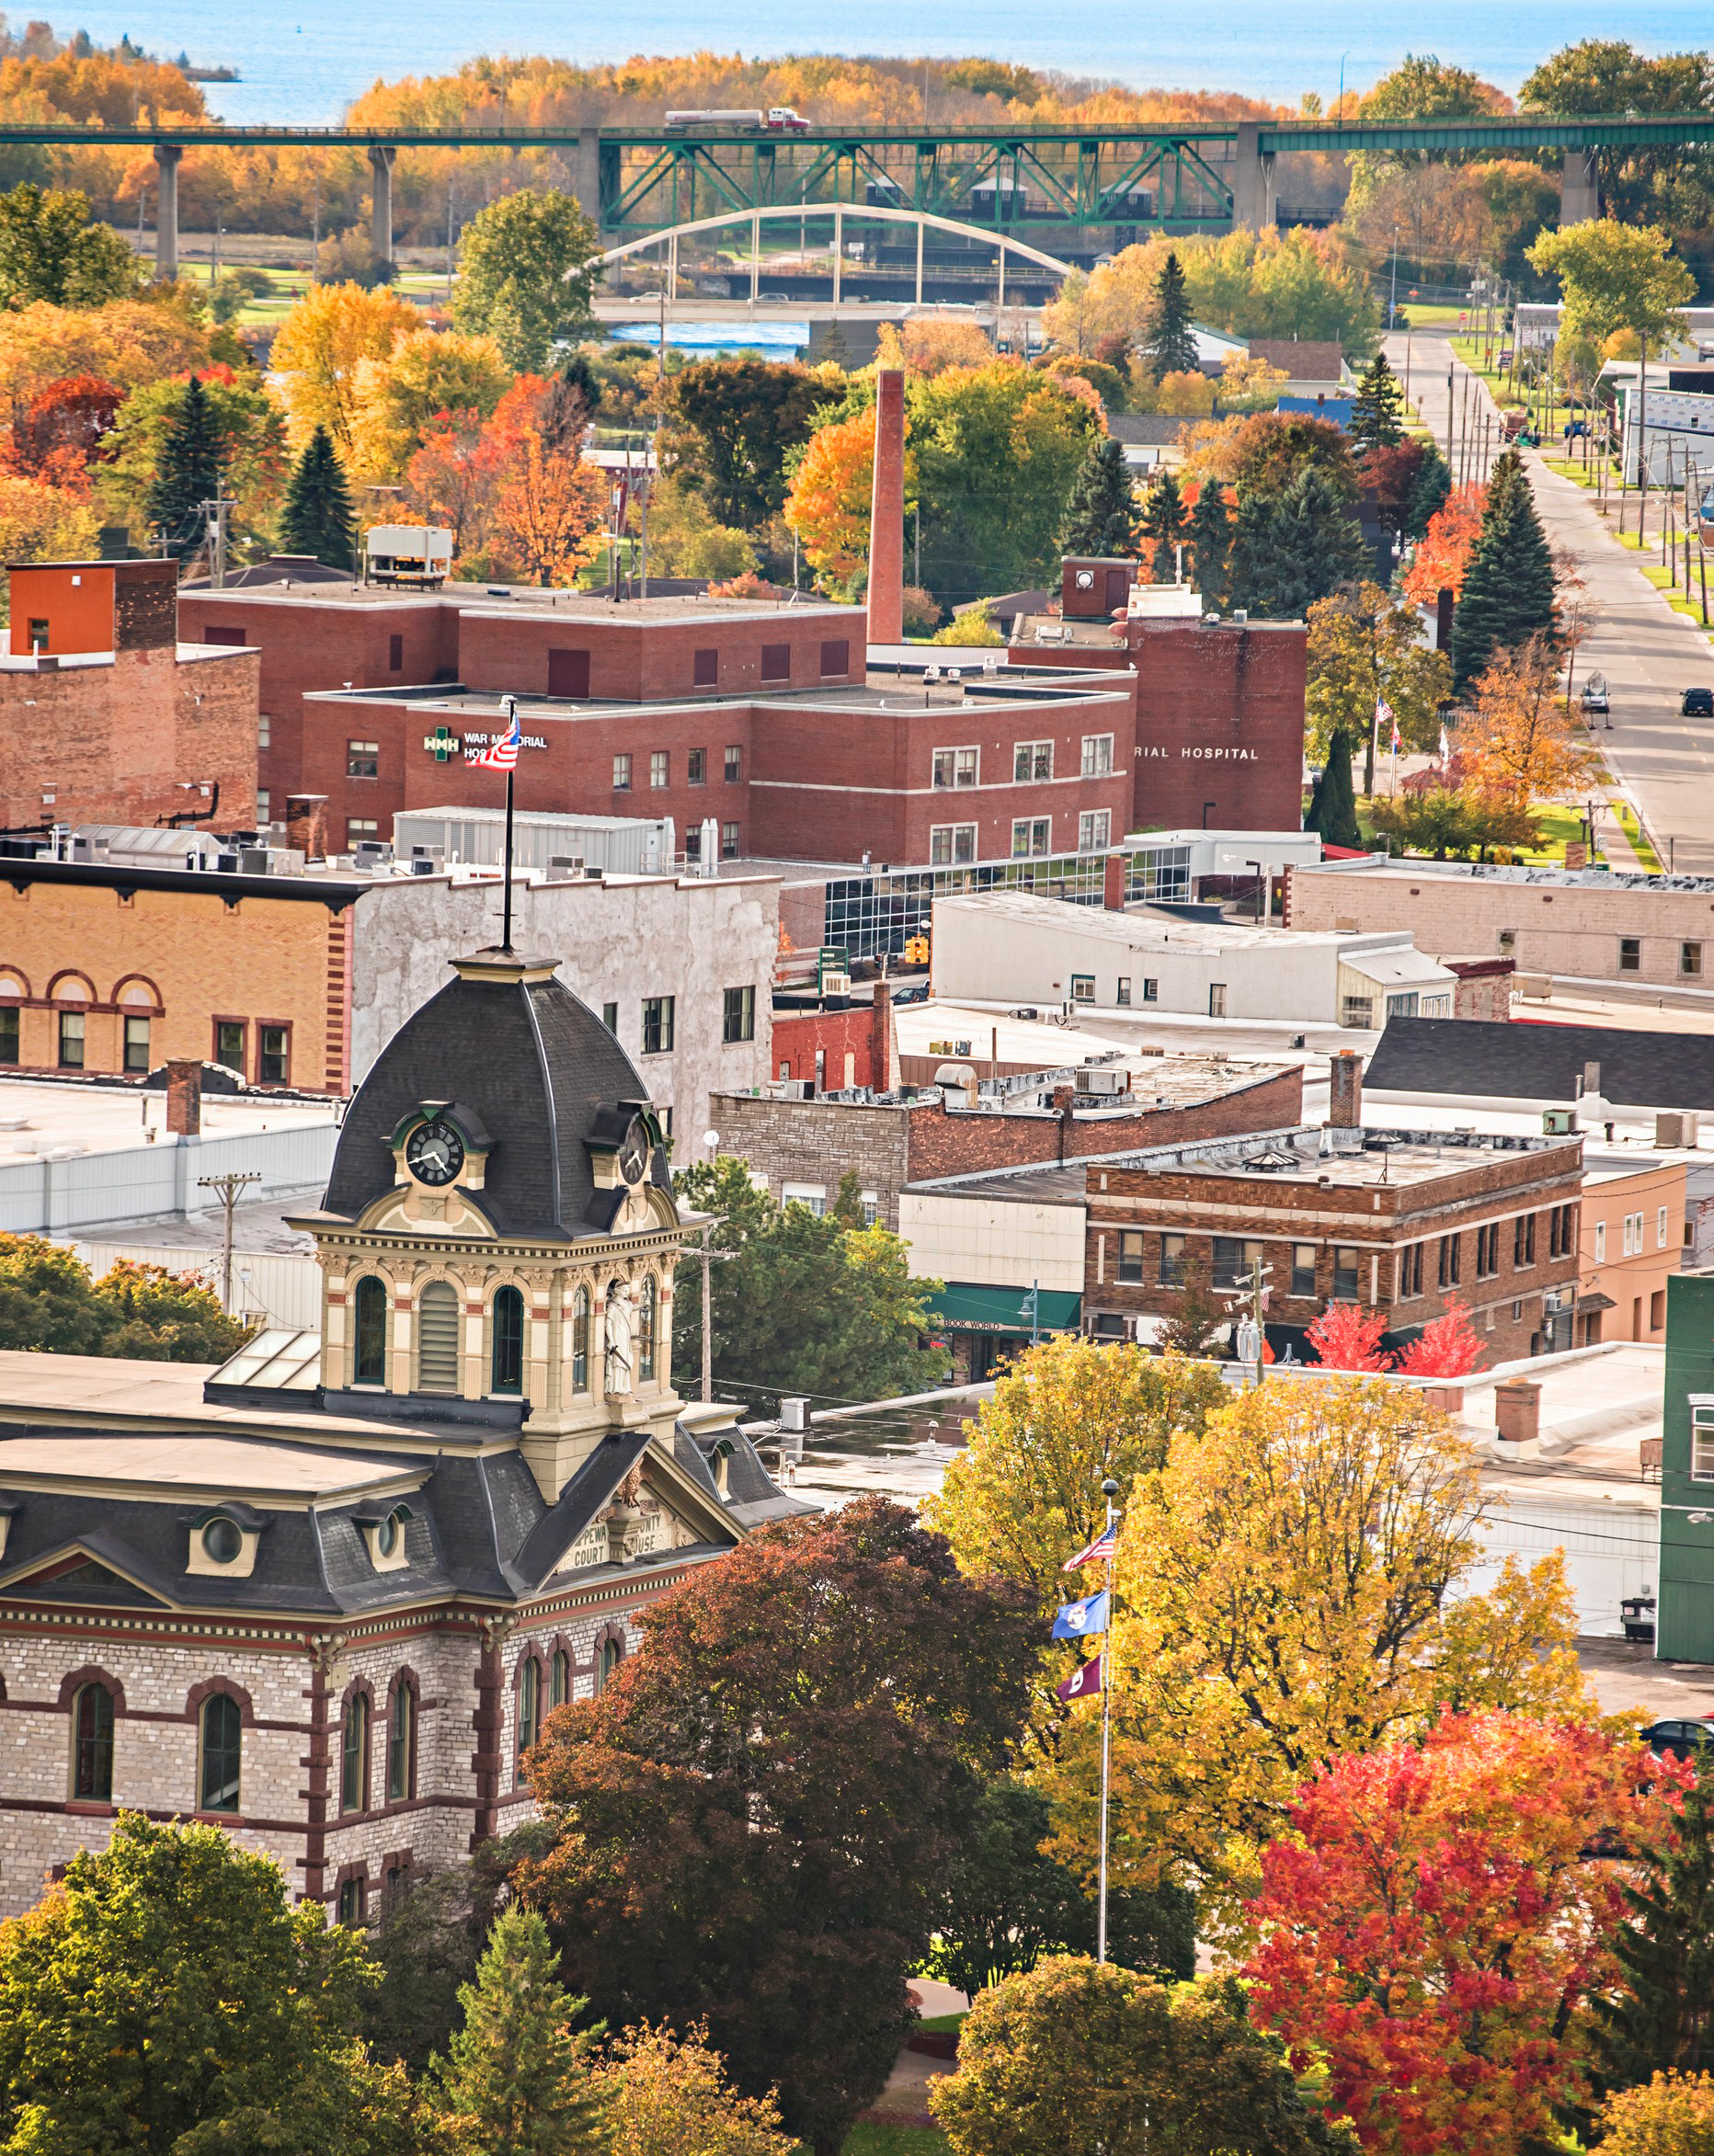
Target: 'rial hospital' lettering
{"x": 1241, "y": 756}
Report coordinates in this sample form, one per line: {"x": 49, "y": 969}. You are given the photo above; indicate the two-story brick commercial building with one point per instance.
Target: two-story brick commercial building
{"x": 300, "y": 980}
{"x": 325, "y": 1596}
{"x": 1398, "y": 1221}
{"x": 107, "y": 717}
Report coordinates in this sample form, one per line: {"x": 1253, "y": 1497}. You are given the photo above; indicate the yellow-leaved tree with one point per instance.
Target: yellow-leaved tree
{"x": 1295, "y": 1584}
{"x": 318, "y": 354}
{"x": 401, "y": 393}
{"x": 1026, "y": 1493}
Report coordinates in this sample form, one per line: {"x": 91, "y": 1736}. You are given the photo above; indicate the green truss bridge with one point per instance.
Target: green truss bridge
{"x": 637, "y": 181}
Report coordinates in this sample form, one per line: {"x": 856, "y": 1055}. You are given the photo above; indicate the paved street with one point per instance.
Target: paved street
{"x": 1663, "y": 763}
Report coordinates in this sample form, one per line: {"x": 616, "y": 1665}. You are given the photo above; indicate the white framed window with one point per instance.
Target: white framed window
{"x": 1600, "y": 1242}
{"x": 1032, "y": 760}
{"x": 1702, "y": 1445}
{"x": 951, "y": 845}
{"x": 660, "y": 767}
{"x": 1356, "y": 1011}
{"x": 813, "y": 1194}
{"x": 1097, "y": 756}
{"x": 264, "y": 730}
{"x": 1082, "y": 988}
{"x": 957, "y": 766}
{"x": 1151, "y": 990}
{"x": 1660, "y": 1230}
{"x": 1094, "y": 827}
{"x": 871, "y": 1207}
{"x": 1030, "y": 835}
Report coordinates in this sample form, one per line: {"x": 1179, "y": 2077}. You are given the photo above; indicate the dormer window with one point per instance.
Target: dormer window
{"x": 223, "y": 1542}
{"x": 382, "y": 1530}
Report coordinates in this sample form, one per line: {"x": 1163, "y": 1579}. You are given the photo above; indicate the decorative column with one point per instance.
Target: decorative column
{"x": 488, "y": 1721}
{"x": 166, "y": 156}
{"x": 324, "y": 1651}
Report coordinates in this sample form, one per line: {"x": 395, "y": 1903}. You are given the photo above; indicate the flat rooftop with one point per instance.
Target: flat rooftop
{"x": 221, "y": 1467}
{"x": 878, "y": 693}
{"x": 266, "y": 587}
{"x": 1487, "y": 872}
{"x": 1386, "y": 1157}
{"x": 57, "y": 1118}
{"x": 1146, "y": 928}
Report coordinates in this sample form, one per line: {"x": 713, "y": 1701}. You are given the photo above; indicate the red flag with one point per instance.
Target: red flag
{"x": 1085, "y": 1681}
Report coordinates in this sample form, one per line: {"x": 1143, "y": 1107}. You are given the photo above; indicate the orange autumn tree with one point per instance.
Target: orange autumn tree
{"x": 829, "y": 500}
{"x": 1443, "y": 553}
{"x": 1522, "y": 743}
{"x": 1347, "y": 1337}
{"x": 1437, "y": 1925}
{"x": 550, "y": 507}
{"x": 1447, "y": 1347}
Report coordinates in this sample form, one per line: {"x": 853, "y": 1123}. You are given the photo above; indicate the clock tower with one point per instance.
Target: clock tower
{"x": 499, "y": 1230}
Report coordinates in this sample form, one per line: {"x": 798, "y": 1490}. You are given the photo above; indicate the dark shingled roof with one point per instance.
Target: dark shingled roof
{"x": 1470, "y": 1058}
{"x": 532, "y": 1062}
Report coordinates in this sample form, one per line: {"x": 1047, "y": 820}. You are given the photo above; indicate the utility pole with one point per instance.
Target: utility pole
{"x": 1252, "y": 1333}
{"x": 228, "y": 1187}
{"x": 1109, "y": 1490}
{"x": 708, "y": 1257}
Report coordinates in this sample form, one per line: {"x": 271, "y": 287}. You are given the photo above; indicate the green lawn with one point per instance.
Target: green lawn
{"x": 944, "y": 2021}
{"x": 869, "y": 2139}
{"x": 1634, "y": 831}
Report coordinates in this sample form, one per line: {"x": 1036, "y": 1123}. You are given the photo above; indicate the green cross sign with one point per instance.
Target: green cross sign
{"x": 442, "y": 744}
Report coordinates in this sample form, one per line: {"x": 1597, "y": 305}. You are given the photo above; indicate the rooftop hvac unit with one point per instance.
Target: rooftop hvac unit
{"x": 253, "y": 860}
{"x": 229, "y": 864}
{"x": 372, "y": 854}
{"x": 1102, "y": 1082}
{"x": 564, "y": 868}
{"x": 949, "y": 1048}
{"x": 413, "y": 554}
{"x": 795, "y": 1414}
{"x": 836, "y": 983}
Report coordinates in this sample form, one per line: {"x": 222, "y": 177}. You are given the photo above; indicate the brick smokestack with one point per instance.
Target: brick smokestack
{"x": 886, "y": 514}
{"x": 881, "y": 1040}
{"x": 1344, "y": 1091}
{"x": 184, "y": 1100}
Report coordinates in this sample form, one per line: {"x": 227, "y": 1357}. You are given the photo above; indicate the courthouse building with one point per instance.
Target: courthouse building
{"x": 325, "y": 1595}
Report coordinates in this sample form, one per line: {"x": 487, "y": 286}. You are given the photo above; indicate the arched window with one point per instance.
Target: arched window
{"x": 353, "y": 1900}
{"x": 559, "y": 1679}
{"x": 528, "y": 1707}
{"x": 607, "y": 1656}
{"x": 402, "y": 1742}
{"x": 222, "y": 1742}
{"x": 437, "y": 1338}
{"x": 580, "y": 1341}
{"x": 92, "y": 1744}
{"x": 509, "y": 1340}
{"x": 647, "y": 1317}
{"x": 369, "y": 1365}
{"x": 354, "y": 1755}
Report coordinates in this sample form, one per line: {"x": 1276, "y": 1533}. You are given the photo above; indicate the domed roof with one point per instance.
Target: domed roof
{"x": 510, "y": 1048}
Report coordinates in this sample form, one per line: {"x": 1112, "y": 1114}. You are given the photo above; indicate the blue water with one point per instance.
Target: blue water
{"x": 302, "y": 60}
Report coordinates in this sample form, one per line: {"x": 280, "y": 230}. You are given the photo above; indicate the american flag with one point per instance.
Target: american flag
{"x": 501, "y": 755}
{"x": 1098, "y": 1552}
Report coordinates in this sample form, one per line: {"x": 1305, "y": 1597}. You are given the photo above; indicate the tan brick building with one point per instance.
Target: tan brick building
{"x": 1571, "y": 924}
{"x": 105, "y": 717}
{"x": 1632, "y": 1243}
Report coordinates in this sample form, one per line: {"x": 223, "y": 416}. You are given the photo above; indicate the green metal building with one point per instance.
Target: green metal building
{"x": 1684, "y": 1621}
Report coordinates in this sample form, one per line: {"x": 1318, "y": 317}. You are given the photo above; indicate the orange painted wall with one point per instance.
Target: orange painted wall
{"x": 76, "y": 602}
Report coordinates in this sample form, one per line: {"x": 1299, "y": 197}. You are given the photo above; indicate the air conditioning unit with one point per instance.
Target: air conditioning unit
{"x": 1559, "y": 1122}
{"x": 1678, "y": 1127}
{"x": 836, "y": 983}
{"x": 1107, "y": 1081}
{"x": 564, "y": 868}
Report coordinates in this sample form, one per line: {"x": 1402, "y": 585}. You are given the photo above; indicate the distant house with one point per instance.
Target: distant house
{"x": 1150, "y": 440}
{"x": 1312, "y": 367}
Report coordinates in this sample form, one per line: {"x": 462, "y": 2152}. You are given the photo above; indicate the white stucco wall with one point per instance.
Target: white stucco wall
{"x": 989, "y": 1242}
{"x": 616, "y": 941}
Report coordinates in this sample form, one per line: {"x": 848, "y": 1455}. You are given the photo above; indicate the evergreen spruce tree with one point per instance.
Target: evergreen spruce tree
{"x": 1171, "y": 345}
{"x": 1508, "y": 587}
{"x": 1102, "y": 520}
{"x": 318, "y": 517}
{"x": 1659, "y": 2020}
{"x": 189, "y": 472}
{"x": 1164, "y": 521}
{"x": 1211, "y": 541}
{"x": 1293, "y": 547}
{"x": 517, "y": 2082}
{"x": 1333, "y": 811}
{"x": 1434, "y": 484}
{"x": 1378, "y": 410}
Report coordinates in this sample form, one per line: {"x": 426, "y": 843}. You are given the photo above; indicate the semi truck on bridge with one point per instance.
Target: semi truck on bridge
{"x": 778, "y": 119}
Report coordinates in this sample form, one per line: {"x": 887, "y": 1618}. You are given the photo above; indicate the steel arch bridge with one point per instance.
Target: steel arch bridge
{"x": 837, "y": 214}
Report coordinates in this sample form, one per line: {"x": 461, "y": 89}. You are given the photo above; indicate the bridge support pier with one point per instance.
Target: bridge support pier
{"x": 1580, "y": 189}
{"x": 381, "y": 200}
{"x": 1252, "y": 180}
{"x": 166, "y": 156}
{"x": 585, "y": 184}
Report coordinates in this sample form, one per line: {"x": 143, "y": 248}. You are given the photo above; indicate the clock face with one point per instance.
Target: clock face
{"x": 1086, "y": 580}
{"x": 434, "y": 1152}
{"x": 633, "y": 1153}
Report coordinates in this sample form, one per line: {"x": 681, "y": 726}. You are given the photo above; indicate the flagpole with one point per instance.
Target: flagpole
{"x": 506, "y": 912}
{"x": 1109, "y": 1489}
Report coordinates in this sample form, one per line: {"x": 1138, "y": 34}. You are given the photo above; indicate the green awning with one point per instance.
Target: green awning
{"x": 961, "y": 1308}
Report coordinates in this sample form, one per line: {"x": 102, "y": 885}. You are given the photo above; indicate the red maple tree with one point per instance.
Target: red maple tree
{"x": 1437, "y": 1925}
{"x": 1444, "y": 552}
{"x": 1447, "y": 1348}
{"x": 1346, "y": 1337}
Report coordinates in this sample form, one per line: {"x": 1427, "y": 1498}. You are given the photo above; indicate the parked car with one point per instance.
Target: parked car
{"x": 1681, "y": 1738}
{"x": 1697, "y": 703}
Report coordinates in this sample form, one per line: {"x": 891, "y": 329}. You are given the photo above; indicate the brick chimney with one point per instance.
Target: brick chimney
{"x": 881, "y": 1040}
{"x": 887, "y": 514}
{"x": 1344, "y": 1091}
{"x": 184, "y": 1100}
